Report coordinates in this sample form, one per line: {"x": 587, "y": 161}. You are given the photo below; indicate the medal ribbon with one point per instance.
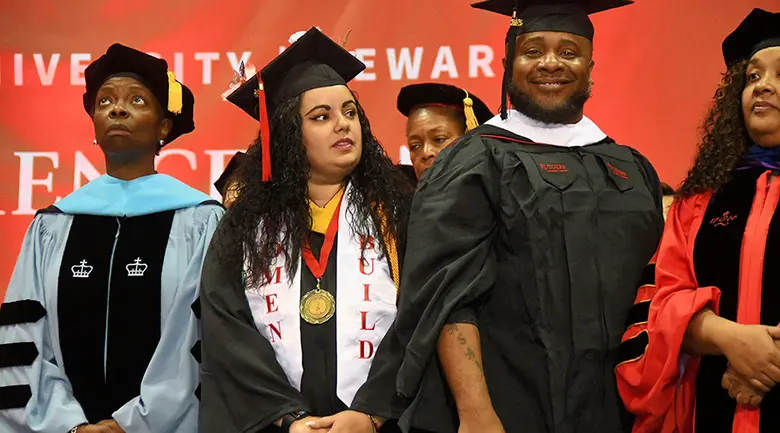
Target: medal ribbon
{"x": 317, "y": 268}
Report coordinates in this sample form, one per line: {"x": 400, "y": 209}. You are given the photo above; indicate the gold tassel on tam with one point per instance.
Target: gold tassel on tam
{"x": 174, "y": 94}
{"x": 468, "y": 110}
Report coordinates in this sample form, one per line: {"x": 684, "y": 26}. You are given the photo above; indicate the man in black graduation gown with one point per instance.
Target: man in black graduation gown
{"x": 526, "y": 240}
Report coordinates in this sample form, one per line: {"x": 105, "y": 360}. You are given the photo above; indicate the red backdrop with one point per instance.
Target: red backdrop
{"x": 657, "y": 65}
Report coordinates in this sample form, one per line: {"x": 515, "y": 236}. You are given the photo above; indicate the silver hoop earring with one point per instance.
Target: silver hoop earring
{"x": 162, "y": 143}
{"x": 94, "y": 142}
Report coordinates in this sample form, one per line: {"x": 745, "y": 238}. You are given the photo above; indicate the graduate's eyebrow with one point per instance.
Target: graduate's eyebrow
{"x": 570, "y": 42}
{"x": 323, "y": 106}
{"x": 110, "y": 85}
{"x": 328, "y": 107}
{"x": 540, "y": 38}
{"x": 533, "y": 39}
{"x": 438, "y": 129}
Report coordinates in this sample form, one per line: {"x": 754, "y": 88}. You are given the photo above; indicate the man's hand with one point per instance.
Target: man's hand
{"x": 484, "y": 423}
{"x": 347, "y": 421}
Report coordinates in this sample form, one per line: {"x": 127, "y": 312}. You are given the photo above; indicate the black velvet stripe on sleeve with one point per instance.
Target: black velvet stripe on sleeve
{"x": 638, "y": 314}
{"x": 19, "y": 312}
{"x": 196, "y": 351}
{"x": 196, "y": 308}
{"x": 648, "y": 276}
{"x": 14, "y": 396}
{"x": 17, "y": 354}
{"x": 632, "y": 349}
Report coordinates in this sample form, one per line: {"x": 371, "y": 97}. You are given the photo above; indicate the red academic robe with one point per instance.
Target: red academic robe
{"x": 724, "y": 239}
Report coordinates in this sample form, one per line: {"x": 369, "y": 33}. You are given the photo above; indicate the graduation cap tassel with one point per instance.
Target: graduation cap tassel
{"x": 468, "y": 110}
{"x": 511, "y": 37}
{"x": 174, "y": 94}
{"x": 265, "y": 134}
{"x": 510, "y": 51}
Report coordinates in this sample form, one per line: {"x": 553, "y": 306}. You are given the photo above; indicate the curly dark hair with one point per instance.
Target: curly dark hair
{"x": 281, "y": 205}
{"x": 725, "y": 137}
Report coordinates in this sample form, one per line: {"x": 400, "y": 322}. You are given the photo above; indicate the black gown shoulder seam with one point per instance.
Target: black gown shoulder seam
{"x": 211, "y": 202}
{"x": 49, "y": 210}
{"x": 502, "y": 137}
{"x": 496, "y": 133}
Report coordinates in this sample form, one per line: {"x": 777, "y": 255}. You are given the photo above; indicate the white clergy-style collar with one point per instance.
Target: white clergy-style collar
{"x": 582, "y": 133}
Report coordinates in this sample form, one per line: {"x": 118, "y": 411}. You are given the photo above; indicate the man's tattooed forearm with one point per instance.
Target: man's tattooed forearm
{"x": 470, "y": 354}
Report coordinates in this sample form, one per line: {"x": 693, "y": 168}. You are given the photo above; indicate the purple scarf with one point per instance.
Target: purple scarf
{"x": 763, "y": 157}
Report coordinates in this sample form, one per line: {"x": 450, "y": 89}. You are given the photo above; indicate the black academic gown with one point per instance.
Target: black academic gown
{"x": 541, "y": 247}
{"x": 318, "y": 342}
{"x": 244, "y": 387}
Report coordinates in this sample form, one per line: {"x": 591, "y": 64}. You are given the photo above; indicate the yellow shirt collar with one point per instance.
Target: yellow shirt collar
{"x": 321, "y": 216}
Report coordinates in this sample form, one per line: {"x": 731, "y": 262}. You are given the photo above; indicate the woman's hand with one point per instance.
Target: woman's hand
{"x": 347, "y": 421}
{"x": 740, "y": 390}
{"x": 752, "y": 354}
{"x": 93, "y": 428}
{"x": 112, "y": 426}
{"x": 301, "y": 426}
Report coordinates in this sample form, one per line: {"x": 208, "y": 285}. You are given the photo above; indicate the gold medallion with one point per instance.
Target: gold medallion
{"x": 317, "y": 306}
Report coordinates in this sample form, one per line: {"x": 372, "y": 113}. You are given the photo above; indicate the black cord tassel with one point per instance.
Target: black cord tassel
{"x": 508, "y": 69}
{"x": 511, "y": 41}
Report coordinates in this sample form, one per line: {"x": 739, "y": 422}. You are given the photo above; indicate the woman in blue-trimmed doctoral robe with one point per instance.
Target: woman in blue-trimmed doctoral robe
{"x": 97, "y": 332}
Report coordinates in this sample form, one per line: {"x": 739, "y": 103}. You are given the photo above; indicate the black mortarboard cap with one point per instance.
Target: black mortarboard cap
{"x": 230, "y": 170}
{"x": 759, "y": 30}
{"x": 245, "y": 97}
{"x": 568, "y": 16}
{"x": 417, "y": 95}
{"x": 311, "y": 62}
{"x": 175, "y": 98}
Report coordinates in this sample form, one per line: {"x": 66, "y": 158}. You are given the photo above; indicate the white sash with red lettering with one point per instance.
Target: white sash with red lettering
{"x": 365, "y": 309}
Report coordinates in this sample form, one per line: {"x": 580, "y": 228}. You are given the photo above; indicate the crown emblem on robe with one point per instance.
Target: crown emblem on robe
{"x": 82, "y": 270}
{"x": 136, "y": 269}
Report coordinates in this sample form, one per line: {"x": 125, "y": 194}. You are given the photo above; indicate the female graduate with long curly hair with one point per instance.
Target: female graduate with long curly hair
{"x": 301, "y": 281}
